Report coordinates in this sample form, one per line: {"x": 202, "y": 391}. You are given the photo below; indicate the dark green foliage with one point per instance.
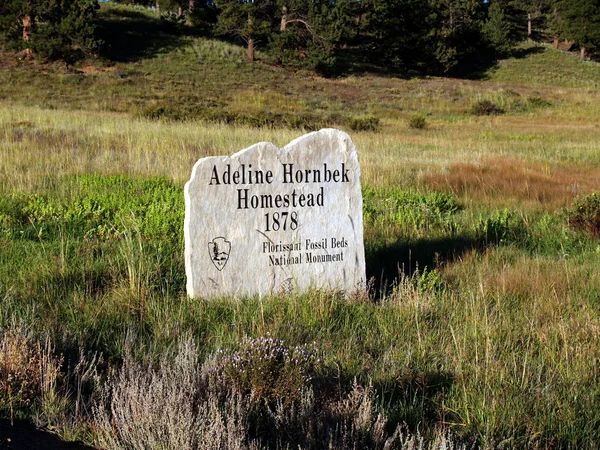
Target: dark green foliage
{"x": 67, "y": 30}
{"x": 497, "y": 29}
{"x": 299, "y": 48}
{"x": 300, "y": 120}
{"x": 11, "y": 26}
{"x": 248, "y": 20}
{"x": 455, "y": 31}
{"x": 204, "y": 16}
{"x": 579, "y": 20}
{"x": 486, "y": 108}
{"x": 584, "y": 214}
{"x": 59, "y": 29}
{"x": 364, "y": 123}
{"x": 528, "y": 14}
{"x": 397, "y": 33}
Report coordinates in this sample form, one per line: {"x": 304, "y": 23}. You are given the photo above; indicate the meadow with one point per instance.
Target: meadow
{"x": 480, "y": 326}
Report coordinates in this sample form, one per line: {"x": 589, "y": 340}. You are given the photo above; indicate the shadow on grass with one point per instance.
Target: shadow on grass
{"x": 416, "y": 399}
{"x": 385, "y": 263}
{"x": 479, "y": 65}
{"x": 132, "y": 35}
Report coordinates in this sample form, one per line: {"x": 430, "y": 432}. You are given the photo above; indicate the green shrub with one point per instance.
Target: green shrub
{"x": 428, "y": 280}
{"x": 584, "y": 214}
{"x": 153, "y": 112}
{"x": 214, "y": 114}
{"x": 497, "y": 229}
{"x": 486, "y": 108}
{"x": 538, "y": 102}
{"x": 364, "y": 123}
{"x": 418, "y": 122}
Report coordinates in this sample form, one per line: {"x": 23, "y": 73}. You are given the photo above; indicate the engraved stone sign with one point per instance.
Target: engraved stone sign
{"x": 272, "y": 220}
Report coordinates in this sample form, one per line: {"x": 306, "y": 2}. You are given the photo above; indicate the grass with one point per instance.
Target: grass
{"x": 482, "y": 319}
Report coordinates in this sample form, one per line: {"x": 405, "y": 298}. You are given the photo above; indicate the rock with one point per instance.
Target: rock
{"x": 269, "y": 221}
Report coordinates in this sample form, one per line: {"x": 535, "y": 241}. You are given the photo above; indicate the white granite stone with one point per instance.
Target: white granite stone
{"x": 272, "y": 220}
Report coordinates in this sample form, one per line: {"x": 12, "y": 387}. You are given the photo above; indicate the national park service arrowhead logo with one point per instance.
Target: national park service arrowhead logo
{"x": 219, "y": 249}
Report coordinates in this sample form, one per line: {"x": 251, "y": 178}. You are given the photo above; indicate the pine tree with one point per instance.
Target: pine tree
{"x": 455, "y": 30}
{"x": 579, "y": 20}
{"x": 532, "y": 10}
{"x": 307, "y": 35}
{"x": 497, "y": 29}
{"x": 249, "y": 20}
{"x": 51, "y": 28}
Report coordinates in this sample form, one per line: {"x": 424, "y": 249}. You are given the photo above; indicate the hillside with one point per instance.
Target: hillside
{"x": 151, "y": 70}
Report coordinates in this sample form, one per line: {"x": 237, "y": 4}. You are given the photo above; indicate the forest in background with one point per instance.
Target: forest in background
{"x": 398, "y": 36}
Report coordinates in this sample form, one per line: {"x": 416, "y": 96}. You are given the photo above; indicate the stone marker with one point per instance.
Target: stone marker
{"x": 268, "y": 220}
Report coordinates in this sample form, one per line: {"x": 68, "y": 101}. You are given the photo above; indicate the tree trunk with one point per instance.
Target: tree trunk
{"x": 251, "y": 37}
{"x": 556, "y": 42}
{"x": 27, "y": 32}
{"x": 283, "y": 25}
{"x": 251, "y": 49}
{"x": 157, "y": 7}
{"x": 529, "y": 27}
{"x": 190, "y": 12}
{"x": 582, "y": 55}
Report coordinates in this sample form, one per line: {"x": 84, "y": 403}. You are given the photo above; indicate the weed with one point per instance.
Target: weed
{"x": 496, "y": 229}
{"x": 364, "y": 124}
{"x": 179, "y": 403}
{"x": 418, "y": 122}
{"x": 28, "y": 373}
{"x": 486, "y": 108}
{"x": 428, "y": 280}
{"x": 168, "y": 406}
{"x": 408, "y": 207}
{"x": 268, "y": 370}
{"x": 584, "y": 214}
{"x": 538, "y": 102}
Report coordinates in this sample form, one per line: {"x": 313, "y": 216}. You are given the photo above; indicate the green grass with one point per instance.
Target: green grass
{"x": 546, "y": 66}
{"x": 483, "y": 312}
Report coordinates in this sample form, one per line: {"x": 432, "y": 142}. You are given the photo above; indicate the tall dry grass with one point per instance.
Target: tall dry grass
{"x": 39, "y": 145}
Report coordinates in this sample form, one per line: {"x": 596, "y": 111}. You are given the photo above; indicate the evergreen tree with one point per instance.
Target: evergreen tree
{"x": 497, "y": 29}
{"x": 455, "y": 30}
{"x": 249, "y": 20}
{"x": 51, "y": 28}
{"x": 306, "y": 35}
{"x": 396, "y": 33}
{"x": 579, "y": 20}
{"x": 532, "y": 10}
